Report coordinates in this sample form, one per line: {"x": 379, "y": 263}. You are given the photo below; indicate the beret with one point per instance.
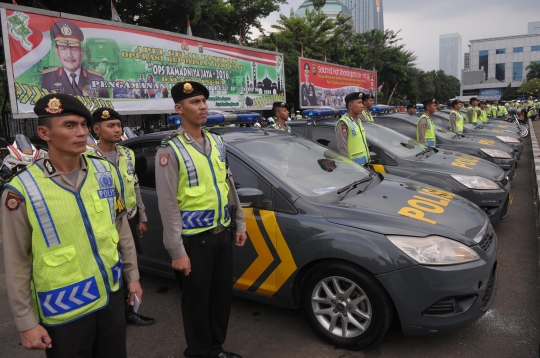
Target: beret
{"x": 410, "y": 105}
{"x": 66, "y": 33}
{"x": 104, "y": 114}
{"x": 429, "y": 101}
{"x": 473, "y": 99}
{"x": 279, "y": 104}
{"x": 183, "y": 90}
{"x": 352, "y": 96}
{"x": 455, "y": 102}
{"x": 60, "y": 105}
{"x": 368, "y": 96}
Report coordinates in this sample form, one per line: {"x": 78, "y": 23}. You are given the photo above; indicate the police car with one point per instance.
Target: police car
{"x": 353, "y": 249}
{"x": 478, "y": 180}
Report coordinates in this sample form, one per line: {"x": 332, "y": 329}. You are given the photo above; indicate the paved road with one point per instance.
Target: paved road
{"x": 509, "y": 329}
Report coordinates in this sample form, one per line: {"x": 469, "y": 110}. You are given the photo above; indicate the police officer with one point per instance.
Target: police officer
{"x": 350, "y": 133}
{"x": 67, "y": 242}
{"x": 308, "y": 90}
{"x": 107, "y": 125}
{"x": 472, "y": 115}
{"x": 71, "y": 78}
{"x": 494, "y": 110}
{"x": 482, "y": 117}
{"x": 411, "y": 109}
{"x": 425, "y": 129}
{"x": 281, "y": 113}
{"x": 299, "y": 116}
{"x": 198, "y": 201}
{"x": 501, "y": 110}
{"x": 456, "y": 119}
{"x": 368, "y": 102}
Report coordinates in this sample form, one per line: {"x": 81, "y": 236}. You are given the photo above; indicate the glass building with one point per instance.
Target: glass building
{"x": 367, "y": 14}
{"x": 450, "y": 54}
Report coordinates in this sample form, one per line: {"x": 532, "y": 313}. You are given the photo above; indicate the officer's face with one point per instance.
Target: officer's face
{"x": 109, "y": 131}
{"x": 66, "y": 135}
{"x": 356, "y": 106}
{"x": 459, "y": 106}
{"x": 369, "y": 103}
{"x": 307, "y": 76}
{"x": 282, "y": 113}
{"x": 193, "y": 110}
{"x": 69, "y": 56}
{"x": 411, "y": 111}
{"x": 430, "y": 108}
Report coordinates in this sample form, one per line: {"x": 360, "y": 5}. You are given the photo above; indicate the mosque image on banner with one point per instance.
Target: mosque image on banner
{"x": 128, "y": 68}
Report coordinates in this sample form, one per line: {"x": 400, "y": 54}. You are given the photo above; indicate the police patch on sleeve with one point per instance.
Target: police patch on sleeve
{"x": 13, "y": 201}
{"x": 163, "y": 159}
{"x": 343, "y": 127}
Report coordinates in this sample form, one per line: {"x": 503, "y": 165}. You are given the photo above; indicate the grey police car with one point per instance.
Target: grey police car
{"x": 478, "y": 180}
{"x": 354, "y": 249}
{"x": 504, "y": 131}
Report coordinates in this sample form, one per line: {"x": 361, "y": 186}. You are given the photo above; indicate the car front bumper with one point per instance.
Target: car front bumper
{"x": 423, "y": 295}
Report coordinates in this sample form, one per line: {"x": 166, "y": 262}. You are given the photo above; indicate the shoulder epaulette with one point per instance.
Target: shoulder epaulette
{"x": 170, "y": 136}
{"x": 93, "y": 156}
{"x": 94, "y": 72}
{"x": 50, "y": 69}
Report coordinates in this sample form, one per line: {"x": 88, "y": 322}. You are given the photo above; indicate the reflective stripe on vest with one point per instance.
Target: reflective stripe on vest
{"x": 459, "y": 121}
{"x": 367, "y": 115}
{"x": 127, "y": 170}
{"x": 75, "y": 258}
{"x": 356, "y": 140}
{"x": 429, "y": 134}
{"x": 202, "y": 191}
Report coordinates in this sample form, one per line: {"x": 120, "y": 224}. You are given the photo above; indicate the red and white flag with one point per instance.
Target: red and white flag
{"x": 189, "y": 33}
{"x": 114, "y": 13}
{"x": 391, "y": 94}
{"x": 379, "y": 89}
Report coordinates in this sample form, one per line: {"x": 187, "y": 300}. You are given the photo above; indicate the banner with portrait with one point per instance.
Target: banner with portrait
{"x": 129, "y": 68}
{"x": 325, "y": 84}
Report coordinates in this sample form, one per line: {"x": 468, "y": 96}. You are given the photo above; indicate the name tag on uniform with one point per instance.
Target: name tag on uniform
{"x": 360, "y": 161}
{"x": 106, "y": 193}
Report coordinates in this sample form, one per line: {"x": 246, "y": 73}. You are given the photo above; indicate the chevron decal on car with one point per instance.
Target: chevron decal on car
{"x": 69, "y": 298}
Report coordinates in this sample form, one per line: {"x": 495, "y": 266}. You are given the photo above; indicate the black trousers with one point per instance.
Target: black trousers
{"x": 133, "y": 222}
{"x": 207, "y": 293}
{"x": 101, "y": 334}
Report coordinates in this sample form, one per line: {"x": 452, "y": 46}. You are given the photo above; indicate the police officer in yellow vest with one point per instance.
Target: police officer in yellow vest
{"x": 67, "y": 242}
{"x": 483, "y": 118}
{"x": 281, "y": 113}
{"x": 350, "y": 133}
{"x": 368, "y": 102}
{"x": 107, "y": 125}
{"x": 455, "y": 123}
{"x": 472, "y": 115}
{"x": 198, "y": 201}
{"x": 425, "y": 129}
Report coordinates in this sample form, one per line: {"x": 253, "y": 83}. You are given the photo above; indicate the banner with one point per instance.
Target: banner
{"x": 324, "y": 84}
{"x": 128, "y": 68}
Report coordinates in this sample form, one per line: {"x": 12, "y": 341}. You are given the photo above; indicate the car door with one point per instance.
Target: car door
{"x": 265, "y": 263}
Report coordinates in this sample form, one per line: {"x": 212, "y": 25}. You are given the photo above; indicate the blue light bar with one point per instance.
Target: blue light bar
{"x": 220, "y": 117}
{"x": 322, "y": 112}
{"x": 175, "y": 119}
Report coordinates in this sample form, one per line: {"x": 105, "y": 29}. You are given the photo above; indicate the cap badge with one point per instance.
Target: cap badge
{"x": 282, "y": 104}
{"x": 360, "y": 95}
{"x": 54, "y": 106}
{"x": 188, "y": 88}
{"x": 66, "y": 31}
{"x": 105, "y": 114}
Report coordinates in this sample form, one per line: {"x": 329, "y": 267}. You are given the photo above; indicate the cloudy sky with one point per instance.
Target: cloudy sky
{"x": 422, "y": 21}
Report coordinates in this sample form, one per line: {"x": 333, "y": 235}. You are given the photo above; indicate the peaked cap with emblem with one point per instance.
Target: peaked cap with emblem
{"x": 352, "y": 96}
{"x": 306, "y": 67}
{"x": 59, "y": 105}
{"x": 183, "y": 90}
{"x": 66, "y": 33}
{"x": 429, "y": 101}
{"x": 105, "y": 114}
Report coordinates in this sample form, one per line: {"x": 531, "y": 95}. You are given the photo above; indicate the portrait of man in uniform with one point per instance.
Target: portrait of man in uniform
{"x": 72, "y": 78}
{"x": 308, "y": 90}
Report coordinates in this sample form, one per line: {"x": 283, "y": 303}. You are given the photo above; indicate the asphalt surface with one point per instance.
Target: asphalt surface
{"x": 509, "y": 329}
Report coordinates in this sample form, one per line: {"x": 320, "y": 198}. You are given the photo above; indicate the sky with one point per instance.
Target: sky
{"x": 422, "y": 21}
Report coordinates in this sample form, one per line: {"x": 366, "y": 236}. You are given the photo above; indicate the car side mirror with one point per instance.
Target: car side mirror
{"x": 248, "y": 196}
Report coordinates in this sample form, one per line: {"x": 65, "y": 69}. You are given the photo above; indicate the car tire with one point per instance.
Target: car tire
{"x": 365, "y": 309}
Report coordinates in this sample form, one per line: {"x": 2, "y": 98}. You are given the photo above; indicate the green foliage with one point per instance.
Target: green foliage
{"x": 531, "y": 87}
{"x": 533, "y": 71}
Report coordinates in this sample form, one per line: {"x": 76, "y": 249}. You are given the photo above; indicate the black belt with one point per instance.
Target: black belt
{"x": 213, "y": 231}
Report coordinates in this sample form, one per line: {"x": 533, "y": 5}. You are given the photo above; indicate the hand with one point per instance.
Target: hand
{"x": 182, "y": 264}
{"x": 36, "y": 338}
{"x": 142, "y": 229}
{"x": 241, "y": 238}
{"x": 134, "y": 289}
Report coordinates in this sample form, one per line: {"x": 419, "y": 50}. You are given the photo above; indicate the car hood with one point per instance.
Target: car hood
{"x": 456, "y": 163}
{"x": 389, "y": 208}
{"x": 482, "y": 142}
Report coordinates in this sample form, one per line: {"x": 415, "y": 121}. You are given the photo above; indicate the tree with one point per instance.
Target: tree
{"x": 531, "y": 87}
{"x": 533, "y": 71}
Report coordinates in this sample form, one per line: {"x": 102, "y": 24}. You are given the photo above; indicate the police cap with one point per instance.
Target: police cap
{"x": 455, "y": 102}
{"x": 59, "y": 105}
{"x": 410, "y": 105}
{"x": 104, "y": 114}
{"x": 473, "y": 99}
{"x": 352, "y": 96}
{"x": 66, "y": 33}
{"x": 367, "y": 97}
{"x": 183, "y": 90}
{"x": 279, "y": 105}
{"x": 306, "y": 67}
{"x": 429, "y": 101}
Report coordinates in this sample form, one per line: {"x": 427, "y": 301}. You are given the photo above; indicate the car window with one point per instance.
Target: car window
{"x": 403, "y": 127}
{"x": 245, "y": 177}
{"x": 324, "y": 135}
{"x": 309, "y": 169}
{"x": 145, "y": 155}
{"x": 392, "y": 141}
{"x": 300, "y": 130}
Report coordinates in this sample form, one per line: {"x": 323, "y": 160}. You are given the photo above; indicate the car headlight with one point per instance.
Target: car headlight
{"x": 508, "y": 139}
{"x": 496, "y": 153}
{"x": 434, "y": 250}
{"x": 482, "y": 232}
{"x": 475, "y": 182}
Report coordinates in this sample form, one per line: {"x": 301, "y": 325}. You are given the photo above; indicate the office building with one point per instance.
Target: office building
{"x": 497, "y": 62}
{"x": 450, "y": 54}
{"x": 467, "y": 61}
{"x": 331, "y": 9}
{"x": 367, "y": 14}
{"x": 533, "y": 28}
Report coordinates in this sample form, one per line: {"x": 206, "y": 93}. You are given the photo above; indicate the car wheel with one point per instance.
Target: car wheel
{"x": 345, "y": 306}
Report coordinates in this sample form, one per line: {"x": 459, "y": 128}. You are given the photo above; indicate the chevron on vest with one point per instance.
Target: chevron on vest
{"x": 198, "y": 219}
{"x": 69, "y": 298}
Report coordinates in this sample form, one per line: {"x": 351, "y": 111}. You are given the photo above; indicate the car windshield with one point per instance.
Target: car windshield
{"x": 444, "y": 133}
{"x": 308, "y": 168}
{"x": 392, "y": 141}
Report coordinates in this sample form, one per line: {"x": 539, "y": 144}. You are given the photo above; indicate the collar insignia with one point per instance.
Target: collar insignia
{"x": 99, "y": 154}
{"x": 105, "y": 114}
{"x": 187, "y": 136}
{"x": 188, "y": 88}
{"x": 54, "y": 106}
{"x": 49, "y": 166}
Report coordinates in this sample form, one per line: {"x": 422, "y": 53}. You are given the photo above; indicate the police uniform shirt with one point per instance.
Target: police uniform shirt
{"x": 342, "y": 137}
{"x": 114, "y": 157}
{"x": 308, "y": 95}
{"x": 167, "y": 186}
{"x": 453, "y": 119}
{"x": 59, "y": 80}
{"x": 17, "y": 237}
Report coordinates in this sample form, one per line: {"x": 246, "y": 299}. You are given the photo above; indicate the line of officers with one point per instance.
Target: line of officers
{"x": 69, "y": 222}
